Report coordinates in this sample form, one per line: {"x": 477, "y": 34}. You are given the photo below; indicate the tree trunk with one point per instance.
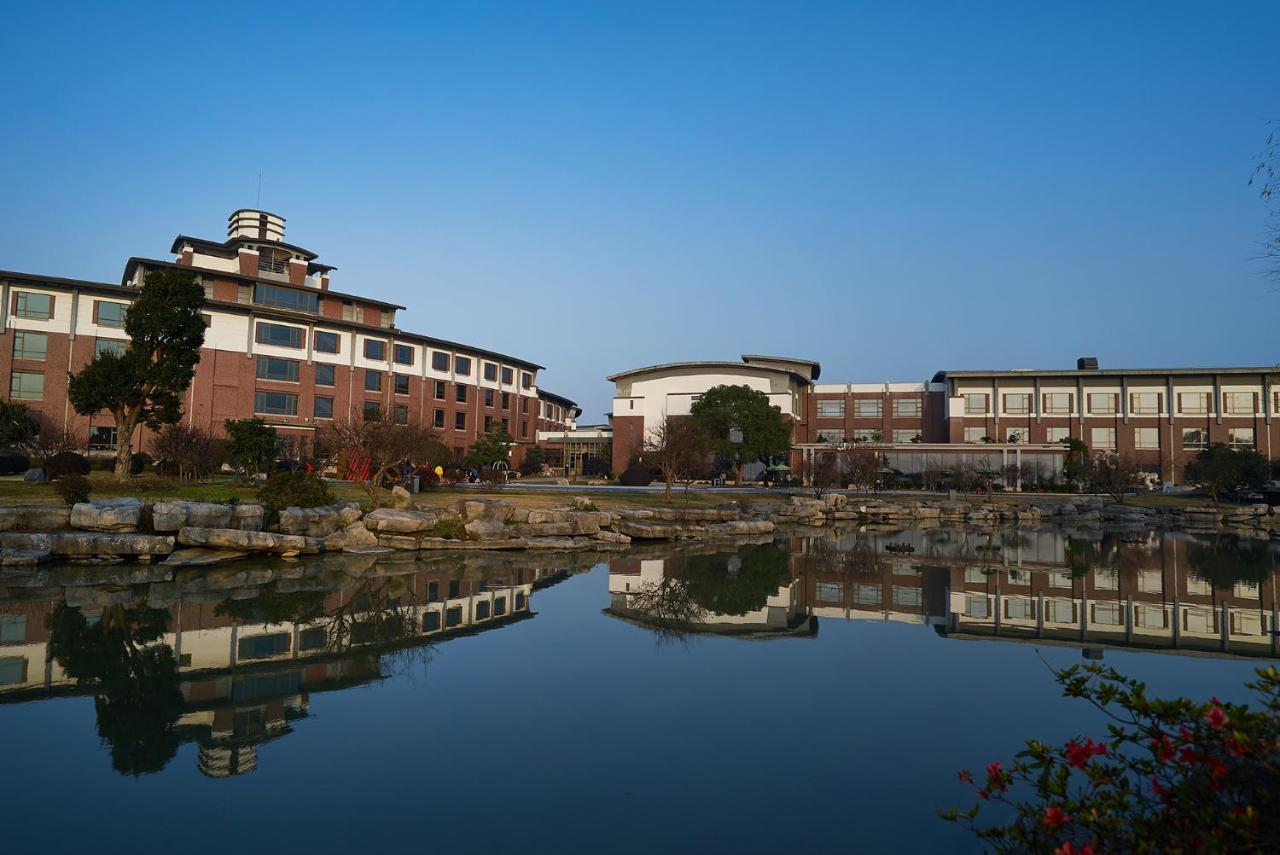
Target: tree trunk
{"x": 126, "y": 421}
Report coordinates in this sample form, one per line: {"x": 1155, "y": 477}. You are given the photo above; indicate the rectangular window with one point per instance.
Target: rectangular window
{"x": 1106, "y": 580}
{"x": 524, "y": 430}
{"x": 975, "y": 404}
{"x": 1019, "y": 608}
{"x": 402, "y": 384}
{"x": 401, "y": 414}
{"x": 506, "y": 426}
{"x": 459, "y": 421}
{"x": 867, "y": 435}
{"x": 831, "y": 408}
{"x": 439, "y": 360}
{"x": 1237, "y": 403}
{"x": 1146, "y": 437}
{"x": 1017, "y": 435}
{"x": 868, "y": 408}
{"x": 102, "y": 438}
{"x": 1195, "y": 438}
{"x": 831, "y": 435}
{"x": 1151, "y": 617}
{"x": 488, "y": 423}
{"x": 403, "y": 354}
{"x": 508, "y": 377}
{"x": 460, "y": 394}
{"x": 976, "y": 607}
{"x": 1057, "y": 434}
{"x": 1059, "y": 611}
{"x": 30, "y": 345}
{"x": 285, "y": 298}
{"x": 108, "y": 345}
{"x": 524, "y": 406}
{"x": 1151, "y": 581}
{"x": 438, "y": 391}
{"x": 908, "y": 408}
{"x": 324, "y": 374}
{"x": 37, "y": 307}
{"x": 275, "y": 403}
{"x": 278, "y": 335}
{"x": 1144, "y": 403}
{"x": 1018, "y": 404}
{"x": 1103, "y": 439}
{"x": 828, "y": 592}
{"x": 906, "y": 596}
{"x": 488, "y": 397}
{"x": 323, "y": 408}
{"x": 866, "y": 595}
{"x": 490, "y": 371}
{"x": 975, "y": 434}
{"x": 1107, "y": 614}
{"x": 27, "y": 385}
{"x": 1193, "y": 403}
{"x": 326, "y": 342}
{"x": 280, "y": 370}
{"x": 264, "y": 646}
{"x": 462, "y": 366}
{"x": 437, "y": 418}
{"x": 107, "y": 314}
{"x": 1240, "y": 437}
{"x": 13, "y": 629}
{"x": 372, "y": 411}
{"x": 908, "y": 435}
{"x": 526, "y": 380}
{"x": 506, "y": 400}
{"x": 13, "y": 669}
{"x": 372, "y": 380}
{"x": 1057, "y": 403}
{"x": 375, "y": 349}
{"x": 1102, "y": 403}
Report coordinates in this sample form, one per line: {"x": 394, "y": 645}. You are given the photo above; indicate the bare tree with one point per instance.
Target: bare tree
{"x": 53, "y": 439}
{"x": 188, "y": 449}
{"x": 677, "y": 447}
{"x": 375, "y": 450}
{"x": 862, "y": 467}
{"x": 1266, "y": 177}
{"x": 820, "y": 472}
{"x": 1112, "y": 473}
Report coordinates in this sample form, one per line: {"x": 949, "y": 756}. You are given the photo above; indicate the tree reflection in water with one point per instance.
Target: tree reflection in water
{"x": 1226, "y": 559}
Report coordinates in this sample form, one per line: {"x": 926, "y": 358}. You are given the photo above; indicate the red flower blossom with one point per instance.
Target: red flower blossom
{"x": 1216, "y": 717}
{"x": 984, "y": 794}
{"x": 1067, "y": 849}
{"x": 1161, "y": 791}
{"x": 1163, "y": 749}
{"x": 1188, "y": 755}
{"x": 965, "y": 775}
{"x": 1078, "y": 753}
{"x": 1234, "y": 747}
{"x": 1055, "y": 817}
{"x": 1217, "y": 768}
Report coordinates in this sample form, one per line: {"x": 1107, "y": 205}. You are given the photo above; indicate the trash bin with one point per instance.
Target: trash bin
{"x": 414, "y": 483}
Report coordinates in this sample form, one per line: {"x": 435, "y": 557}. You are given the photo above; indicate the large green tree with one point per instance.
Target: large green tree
{"x": 1219, "y": 469}
{"x": 742, "y": 424}
{"x": 18, "y": 428}
{"x": 492, "y": 446}
{"x": 144, "y": 384}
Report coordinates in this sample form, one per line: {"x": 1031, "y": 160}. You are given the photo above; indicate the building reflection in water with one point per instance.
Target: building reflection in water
{"x": 1197, "y": 595}
{"x": 230, "y": 658}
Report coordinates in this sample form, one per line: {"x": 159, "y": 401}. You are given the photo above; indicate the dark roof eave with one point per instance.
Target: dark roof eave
{"x": 231, "y": 244}
{"x": 675, "y": 366}
{"x": 135, "y": 261}
{"x": 559, "y": 399}
{"x": 941, "y": 376}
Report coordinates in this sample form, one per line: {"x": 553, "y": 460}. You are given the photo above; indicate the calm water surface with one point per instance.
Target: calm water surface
{"x": 797, "y": 692}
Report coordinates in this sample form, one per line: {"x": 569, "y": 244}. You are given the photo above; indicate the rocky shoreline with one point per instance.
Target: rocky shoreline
{"x": 203, "y": 533}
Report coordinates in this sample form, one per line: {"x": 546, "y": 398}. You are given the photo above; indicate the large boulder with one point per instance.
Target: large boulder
{"x": 34, "y": 518}
{"x": 354, "y": 536}
{"x": 172, "y": 516}
{"x": 488, "y": 529}
{"x": 320, "y": 521}
{"x": 248, "y": 541}
{"x": 199, "y": 556}
{"x": 397, "y": 521}
{"x": 90, "y": 544}
{"x": 401, "y": 498}
{"x": 107, "y": 515}
{"x": 486, "y": 509}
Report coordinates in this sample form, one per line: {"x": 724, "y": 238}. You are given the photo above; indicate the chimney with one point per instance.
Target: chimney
{"x": 1087, "y": 363}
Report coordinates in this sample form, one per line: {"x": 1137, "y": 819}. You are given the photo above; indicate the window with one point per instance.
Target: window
{"x": 976, "y": 607}
{"x": 372, "y": 411}
{"x": 975, "y": 404}
{"x": 437, "y": 419}
{"x": 1060, "y": 579}
{"x": 323, "y": 408}
{"x": 908, "y": 435}
{"x": 488, "y": 423}
{"x": 324, "y": 374}
{"x": 30, "y": 345}
{"x": 1057, "y": 403}
{"x": 1057, "y": 434}
{"x": 438, "y": 391}
{"x": 866, "y": 595}
{"x": 499, "y": 606}
{"x": 1146, "y": 437}
{"x": 490, "y": 371}
{"x": 524, "y": 406}
{"x": 264, "y": 646}
{"x": 1196, "y": 438}
{"x": 908, "y": 408}
{"x": 13, "y": 629}
{"x": 403, "y": 354}
{"x": 452, "y": 616}
{"x": 102, "y": 438}
{"x": 1237, "y": 403}
{"x": 506, "y": 400}
{"x": 430, "y": 620}
{"x": 460, "y": 394}
{"x": 285, "y": 298}
{"x": 462, "y": 365}
{"x": 1107, "y": 614}
{"x": 867, "y": 435}
{"x": 1102, "y": 403}
{"x": 13, "y": 669}
{"x": 280, "y": 370}
{"x": 868, "y": 409}
{"x": 27, "y": 385}
{"x": 975, "y": 575}
{"x": 526, "y": 380}
{"x": 375, "y": 349}
{"x": 372, "y": 380}
{"x": 1151, "y": 581}
{"x": 326, "y": 342}
{"x": 832, "y": 435}
{"x": 1193, "y": 403}
{"x": 831, "y": 408}
{"x": 508, "y": 376}
{"x": 108, "y": 345}
{"x": 1106, "y": 580}
{"x": 106, "y": 314}
{"x": 828, "y": 592}
{"x": 402, "y": 384}
{"x": 524, "y": 430}
{"x": 439, "y": 360}
{"x": 459, "y": 421}
{"x": 275, "y": 403}
{"x": 1059, "y": 611}
{"x": 905, "y": 596}
{"x": 1019, "y": 608}
{"x": 488, "y": 397}
{"x": 1103, "y": 438}
{"x": 975, "y": 434}
{"x": 1017, "y": 435}
{"x": 1017, "y": 404}
{"x": 1144, "y": 403}
{"x": 313, "y": 638}
{"x": 401, "y": 414}
{"x": 278, "y": 335}
{"x": 506, "y": 426}
{"x": 1151, "y": 617}
{"x": 1240, "y": 437}
{"x": 37, "y": 307}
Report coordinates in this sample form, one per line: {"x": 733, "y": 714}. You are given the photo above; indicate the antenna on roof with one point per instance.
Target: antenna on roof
{"x": 258, "y": 203}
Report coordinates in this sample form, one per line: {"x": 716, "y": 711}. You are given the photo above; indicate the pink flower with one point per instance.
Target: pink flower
{"x": 1067, "y": 849}
{"x": 1078, "y": 753}
{"x": 1055, "y": 817}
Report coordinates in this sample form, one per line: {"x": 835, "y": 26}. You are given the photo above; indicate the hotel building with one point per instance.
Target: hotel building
{"x": 280, "y": 343}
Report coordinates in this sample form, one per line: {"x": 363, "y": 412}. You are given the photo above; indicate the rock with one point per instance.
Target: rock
{"x": 87, "y": 544}
{"x": 543, "y": 516}
{"x": 397, "y": 521}
{"x": 445, "y": 543}
{"x": 486, "y": 509}
{"x": 36, "y": 474}
{"x": 171, "y": 516}
{"x": 741, "y": 527}
{"x": 582, "y": 503}
{"x": 1066, "y": 509}
{"x": 107, "y": 515}
{"x": 835, "y": 500}
{"x": 611, "y": 537}
{"x": 656, "y": 529}
{"x": 396, "y": 541}
{"x": 551, "y": 543}
{"x": 320, "y": 521}
{"x": 401, "y": 498}
{"x": 355, "y": 536}
{"x": 635, "y": 514}
{"x": 200, "y": 557}
{"x": 551, "y": 529}
{"x": 488, "y": 529}
{"x": 247, "y": 541}
{"x": 23, "y": 557}
{"x": 34, "y": 518}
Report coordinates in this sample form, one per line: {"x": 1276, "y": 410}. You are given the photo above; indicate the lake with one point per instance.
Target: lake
{"x": 810, "y": 689}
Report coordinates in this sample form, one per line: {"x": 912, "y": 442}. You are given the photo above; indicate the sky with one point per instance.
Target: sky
{"x": 889, "y": 189}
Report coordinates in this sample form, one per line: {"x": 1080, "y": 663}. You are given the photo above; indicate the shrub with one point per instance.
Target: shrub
{"x": 295, "y": 489}
{"x": 139, "y": 461}
{"x": 251, "y": 444}
{"x": 66, "y": 463}
{"x": 13, "y": 462}
{"x": 428, "y": 479}
{"x": 449, "y": 529}
{"x": 187, "y": 452}
{"x": 532, "y": 463}
{"x": 72, "y": 488}
{"x": 636, "y": 476}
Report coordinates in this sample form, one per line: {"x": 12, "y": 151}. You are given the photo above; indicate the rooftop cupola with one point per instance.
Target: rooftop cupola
{"x": 255, "y": 225}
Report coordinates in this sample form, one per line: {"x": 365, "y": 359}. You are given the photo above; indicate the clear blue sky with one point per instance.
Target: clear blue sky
{"x": 598, "y": 186}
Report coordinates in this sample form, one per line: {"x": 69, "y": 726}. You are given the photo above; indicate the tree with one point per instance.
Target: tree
{"x": 187, "y": 449}
{"x": 861, "y": 466}
{"x": 375, "y": 450}
{"x": 742, "y": 425}
{"x": 1266, "y": 176}
{"x": 144, "y": 384}
{"x": 533, "y": 461}
{"x": 679, "y": 448}
{"x": 1219, "y": 469}
{"x": 18, "y": 428}
{"x": 1075, "y": 466}
{"x": 820, "y": 471}
{"x": 1112, "y": 473}
{"x": 492, "y": 446}
{"x": 251, "y": 444}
